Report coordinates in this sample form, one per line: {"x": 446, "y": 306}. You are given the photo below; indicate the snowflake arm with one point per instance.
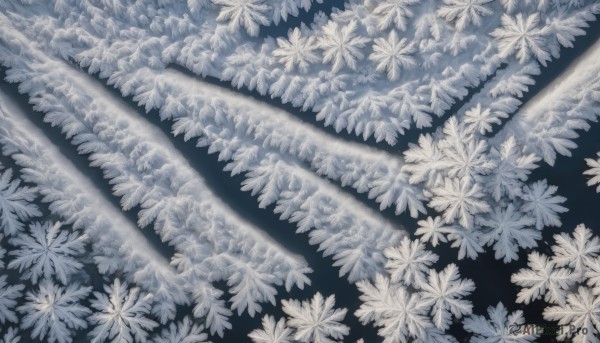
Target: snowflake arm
{"x": 185, "y": 331}
{"x": 594, "y": 172}
{"x": 11, "y": 336}
{"x": 272, "y": 332}
{"x": 15, "y": 204}
{"x": 8, "y": 296}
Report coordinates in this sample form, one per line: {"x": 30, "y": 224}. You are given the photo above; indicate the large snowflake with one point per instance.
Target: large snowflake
{"x": 47, "y": 251}
{"x": 53, "y": 312}
{"x": 185, "y": 331}
{"x": 296, "y": 51}
{"x": 121, "y": 314}
{"x": 522, "y": 36}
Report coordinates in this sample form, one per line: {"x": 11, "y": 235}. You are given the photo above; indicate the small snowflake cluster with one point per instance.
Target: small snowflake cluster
{"x": 415, "y": 301}
{"x": 480, "y": 192}
{"x": 569, "y": 282}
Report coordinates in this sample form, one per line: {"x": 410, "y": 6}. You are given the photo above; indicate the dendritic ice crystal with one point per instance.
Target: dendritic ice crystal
{"x": 299, "y": 171}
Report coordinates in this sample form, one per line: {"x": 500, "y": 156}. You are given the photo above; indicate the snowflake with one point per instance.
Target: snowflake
{"x": 512, "y": 170}
{"x": 15, "y": 204}
{"x": 480, "y": 120}
{"x": 543, "y": 204}
{"x": 522, "y": 36}
{"x": 432, "y": 230}
{"x": 542, "y": 278}
{"x": 509, "y": 230}
{"x": 316, "y": 320}
{"x": 463, "y": 12}
{"x": 392, "y": 55}
{"x": 296, "y": 50}
{"x": 53, "y": 311}
{"x": 47, "y": 251}
{"x": 249, "y": 14}
{"x": 8, "y": 296}
{"x": 459, "y": 200}
{"x": 499, "y": 328}
{"x": 121, "y": 314}
{"x": 409, "y": 262}
{"x": 341, "y": 46}
{"x": 272, "y": 332}
{"x": 444, "y": 292}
